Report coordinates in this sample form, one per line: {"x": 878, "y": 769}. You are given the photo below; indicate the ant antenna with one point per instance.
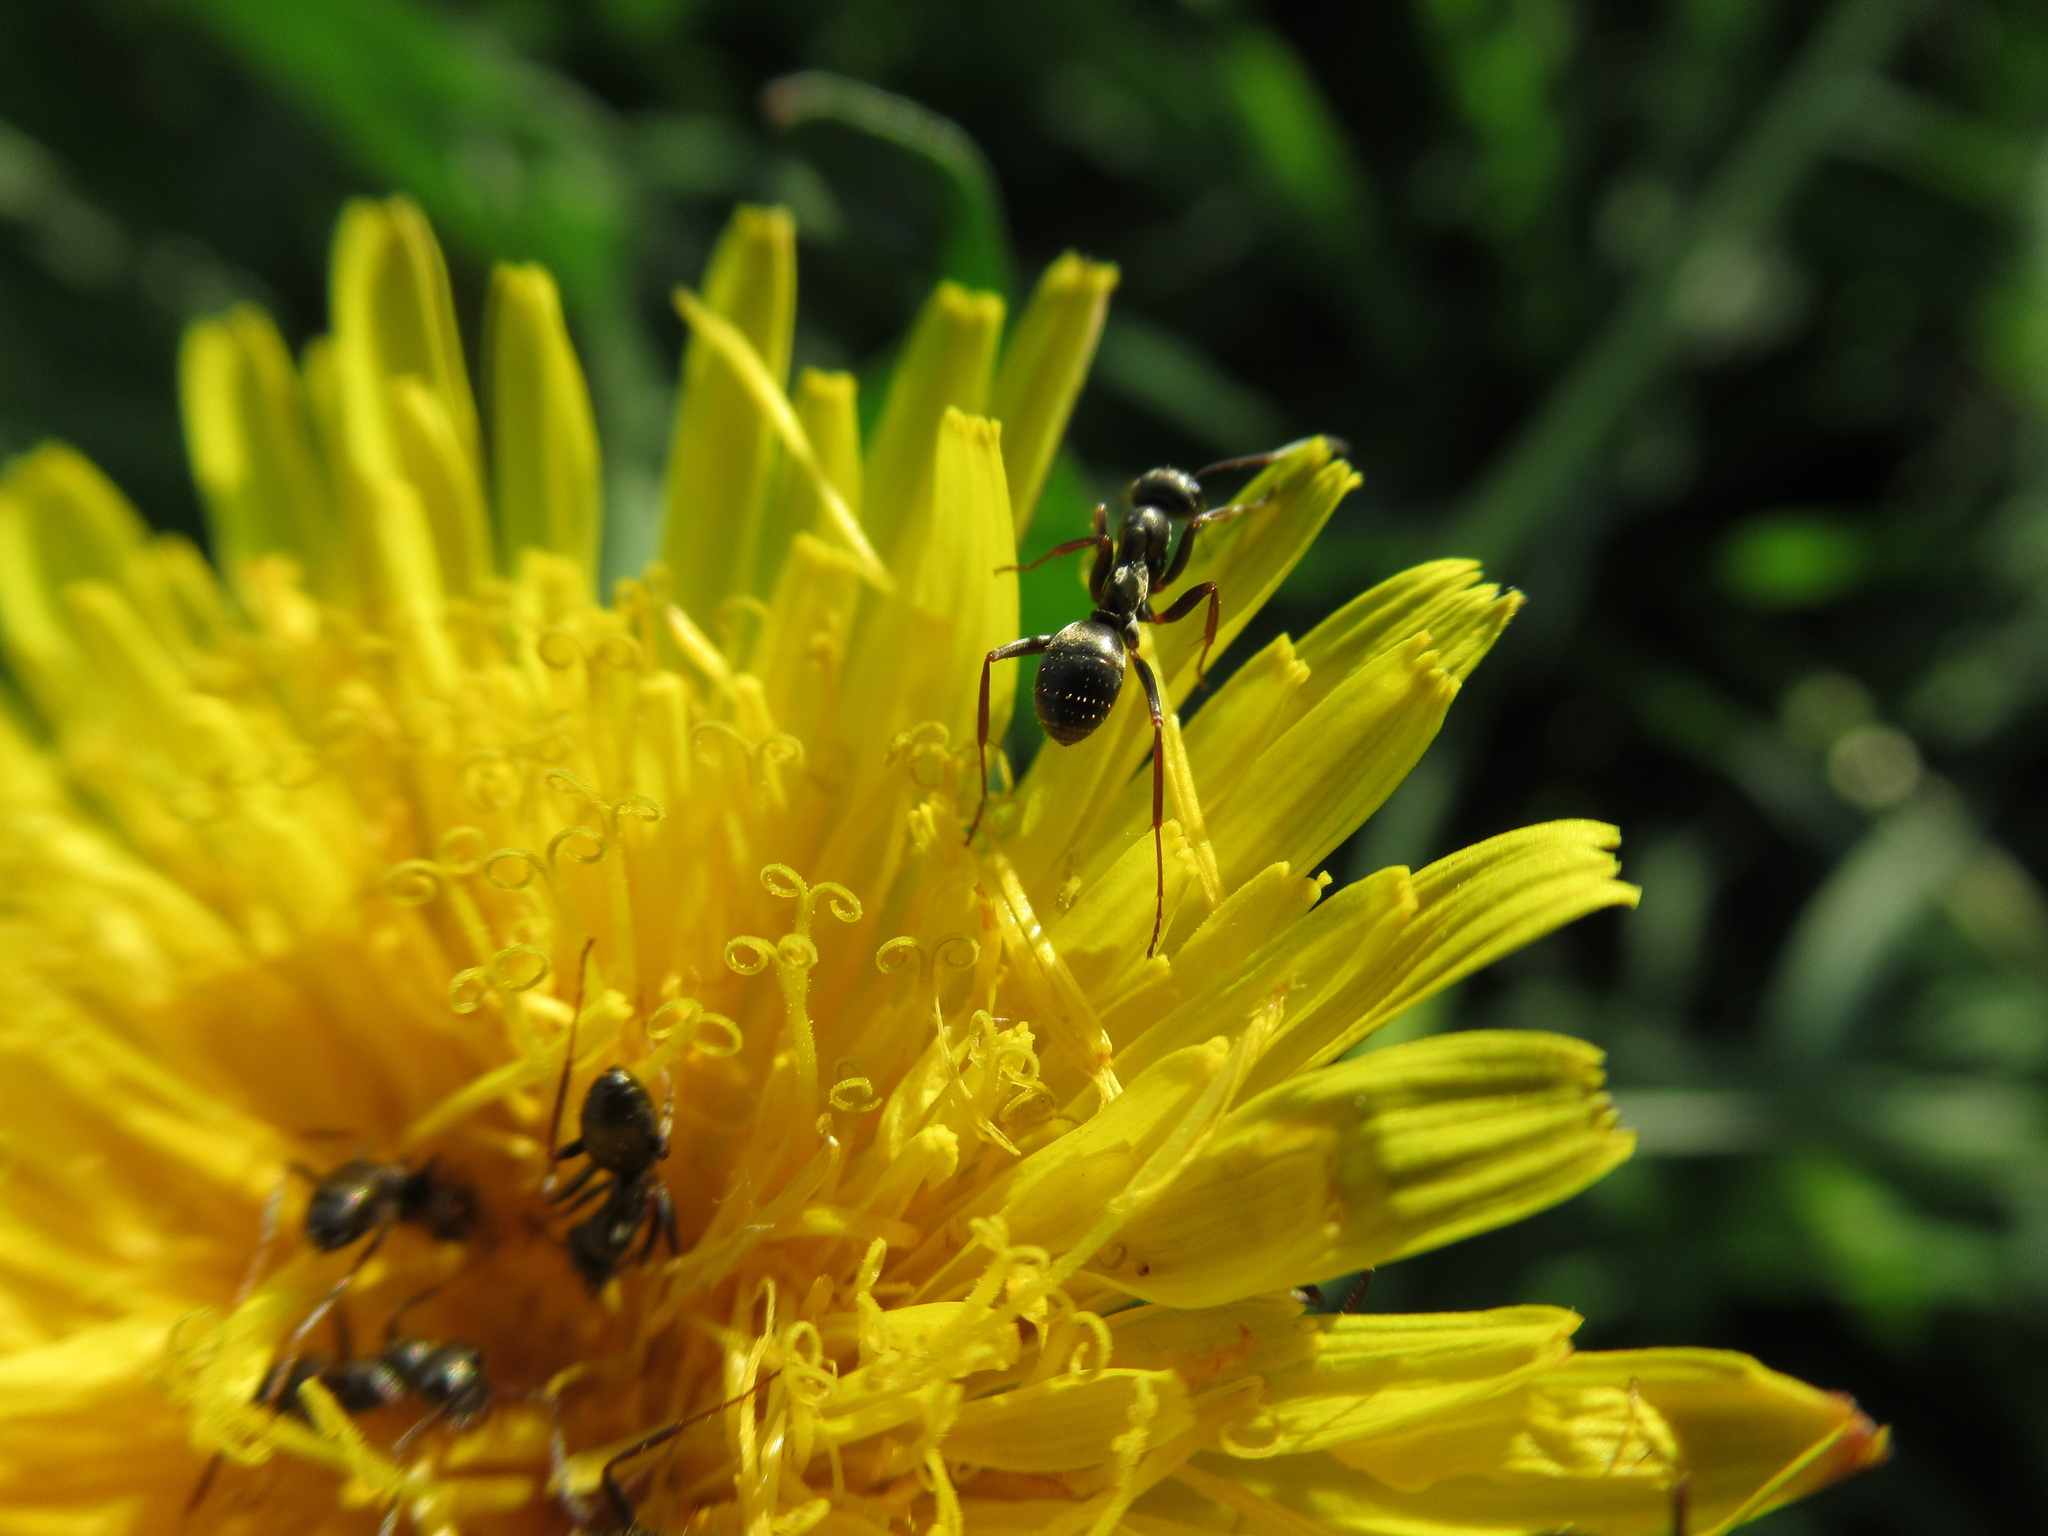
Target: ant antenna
{"x": 547, "y": 1185}
{"x": 1339, "y": 448}
{"x": 391, "y": 1323}
{"x": 621, "y": 1505}
{"x": 266, "y": 1234}
{"x": 327, "y": 1304}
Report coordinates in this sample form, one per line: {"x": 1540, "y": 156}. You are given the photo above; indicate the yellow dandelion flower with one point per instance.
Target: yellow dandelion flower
{"x": 318, "y": 872}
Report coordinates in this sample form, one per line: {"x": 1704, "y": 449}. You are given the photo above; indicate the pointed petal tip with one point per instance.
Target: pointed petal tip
{"x": 1862, "y": 1444}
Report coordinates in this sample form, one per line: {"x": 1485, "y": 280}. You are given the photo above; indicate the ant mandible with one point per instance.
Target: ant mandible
{"x": 622, "y": 1136}
{"x": 1082, "y": 675}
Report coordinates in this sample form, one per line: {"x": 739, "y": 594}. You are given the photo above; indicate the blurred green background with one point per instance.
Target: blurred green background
{"x": 1718, "y": 326}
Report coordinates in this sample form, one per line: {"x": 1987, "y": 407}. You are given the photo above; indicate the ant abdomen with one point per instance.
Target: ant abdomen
{"x": 351, "y": 1201}
{"x": 1079, "y": 680}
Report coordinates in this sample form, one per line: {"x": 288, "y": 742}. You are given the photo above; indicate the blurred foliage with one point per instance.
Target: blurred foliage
{"x": 1719, "y": 326}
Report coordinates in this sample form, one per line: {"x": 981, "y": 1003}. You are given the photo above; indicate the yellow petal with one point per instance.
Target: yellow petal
{"x": 945, "y": 366}
{"x": 546, "y": 477}
{"x": 1443, "y": 597}
{"x": 752, "y": 375}
{"x": 1291, "y": 693}
{"x": 1332, "y": 1379}
{"x": 1043, "y": 369}
{"x": 921, "y": 659}
{"x": 394, "y": 318}
{"x": 1597, "y": 1444}
{"x": 719, "y": 455}
{"x": 250, "y": 439}
{"x": 1311, "y": 958}
{"x": 445, "y": 480}
{"x": 826, "y": 408}
{"x": 1313, "y": 786}
{"x": 63, "y": 522}
{"x": 1470, "y": 909}
{"x": 1372, "y": 1159}
{"x": 1067, "y": 1423}
{"x": 1055, "y": 1194}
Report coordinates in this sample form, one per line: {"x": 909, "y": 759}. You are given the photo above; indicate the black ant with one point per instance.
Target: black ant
{"x": 1082, "y": 675}
{"x": 363, "y": 1196}
{"x": 366, "y": 1198}
{"x": 625, "y": 1522}
{"x": 621, "y": 1136}
{"x": 448, "y": 1377}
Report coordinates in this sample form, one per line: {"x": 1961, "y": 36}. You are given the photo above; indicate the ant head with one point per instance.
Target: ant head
{"x": 452, "y": 1378}
{"x": 444, "y": 1205}
{"x": 1173, "y": 491}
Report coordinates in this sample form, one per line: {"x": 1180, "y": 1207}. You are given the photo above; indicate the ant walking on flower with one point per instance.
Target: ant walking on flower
{"x": 622, "y": 1136}
{"x": 447, "y": 1376}
{"x": 1082, "y": 675}
{"x": 365, "y": 1198}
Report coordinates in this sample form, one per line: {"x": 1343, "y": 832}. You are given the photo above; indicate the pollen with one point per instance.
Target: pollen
{"x": 487, "y": 1053}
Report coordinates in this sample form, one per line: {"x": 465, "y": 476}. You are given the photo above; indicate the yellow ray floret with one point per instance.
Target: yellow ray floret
{"x": 355, "y": 865}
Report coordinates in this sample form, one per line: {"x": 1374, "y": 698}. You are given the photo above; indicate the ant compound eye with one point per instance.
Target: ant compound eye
{"x": 1172, "y": 491}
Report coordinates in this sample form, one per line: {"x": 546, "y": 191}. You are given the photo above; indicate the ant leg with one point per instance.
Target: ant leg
{"x": 1358, "y": 1290}
{"x": 1101, "y": 541}
{"x": 654, "y": 1223}
{"x": 1186, "y": 547}
{"x": 570, "y": 1207}
{"x": 1185, "y": 605}
{"x": 547, "y": 1185}
{"x": 1031, "y": 646}
{"x": 1158, "y": 797}
{"x": 391, "y": 1323}
{"x": 266, "y": 1234}
{"x": 205, "y": 1482}
{"x": 609, "y": 1480}
{"x": 327, "y": 1304}
{"x": 1105, "y": 554}
{"x": 1681, "y": 1506}
{"x": 566, "y": 1195}
{"x": 666, "y": 1209}
{"x": 404, "y": 1441}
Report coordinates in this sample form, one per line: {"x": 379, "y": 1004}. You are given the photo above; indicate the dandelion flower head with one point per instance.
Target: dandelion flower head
{"x": 986, "y": 1219}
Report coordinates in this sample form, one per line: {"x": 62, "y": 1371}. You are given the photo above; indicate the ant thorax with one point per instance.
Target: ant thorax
{"x": 1146, "y": 538}
{"x": 1124, "y": 594}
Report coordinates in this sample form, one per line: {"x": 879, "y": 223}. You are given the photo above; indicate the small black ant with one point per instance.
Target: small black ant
{"x": 448, "y": 1377}
{"x": 366, "y": 1198}
{"x": 622, "y": 1136}
{"x": 363, "y": 1196}
{"x": 625, "y": 1522}
{"x": 1082, "y": 675}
